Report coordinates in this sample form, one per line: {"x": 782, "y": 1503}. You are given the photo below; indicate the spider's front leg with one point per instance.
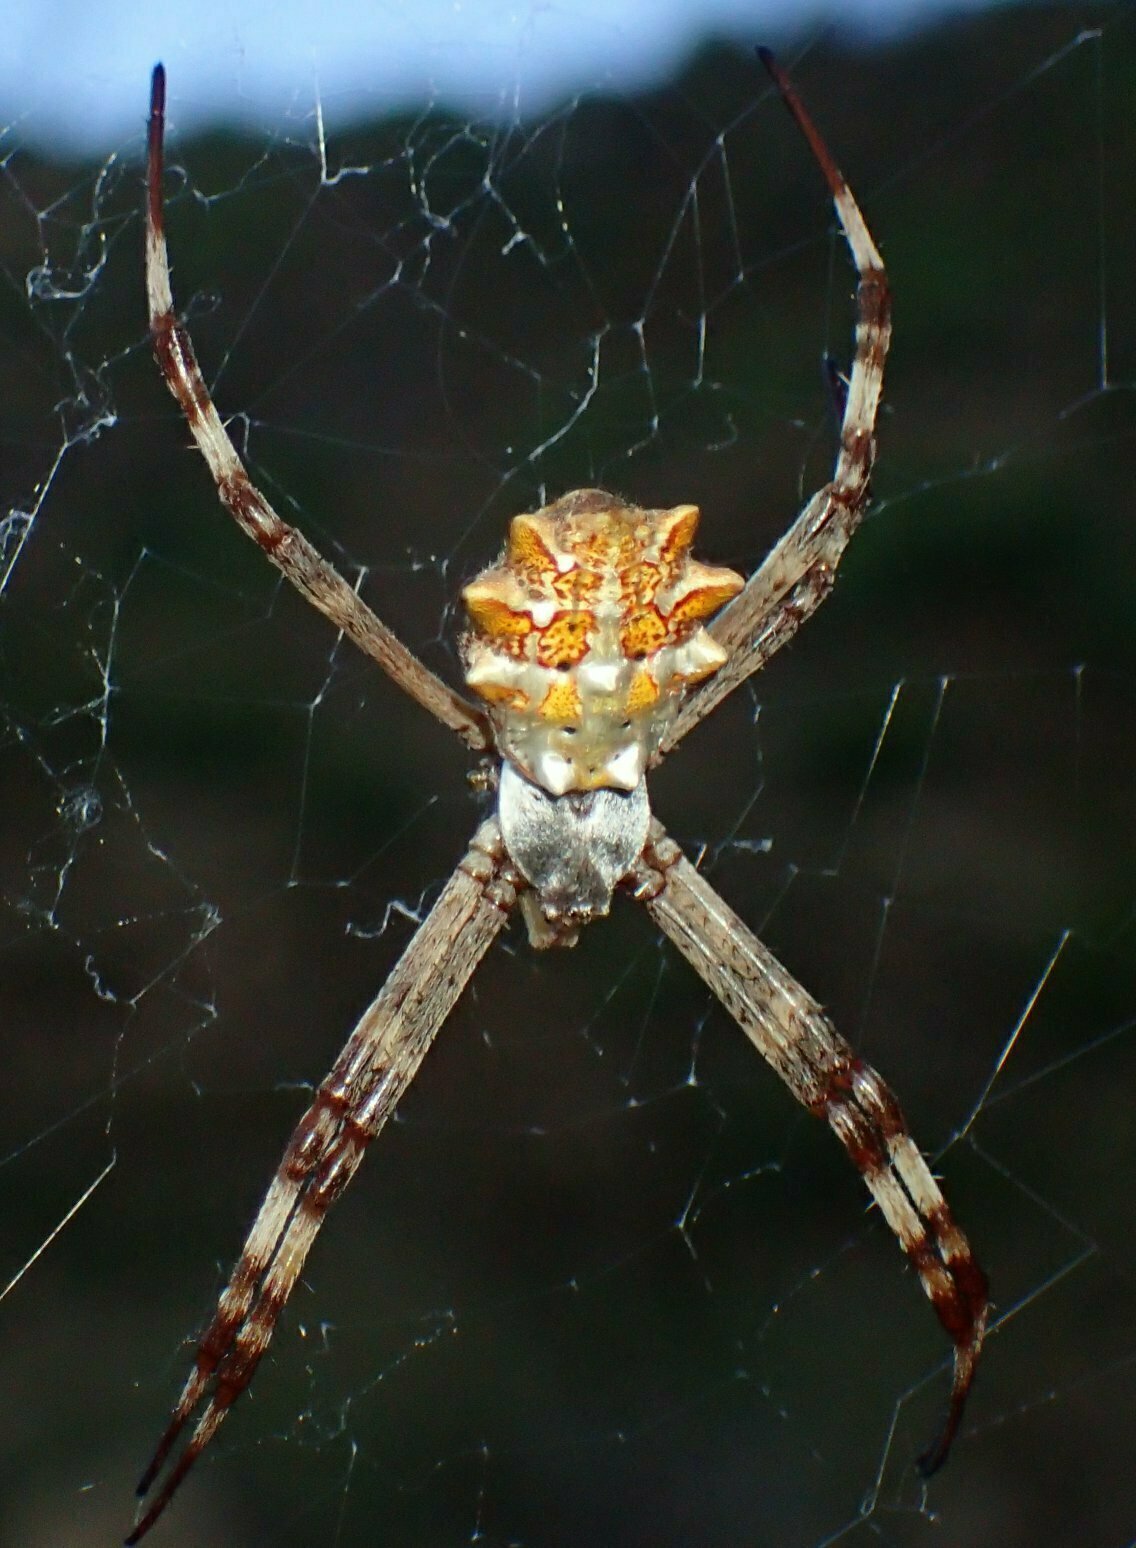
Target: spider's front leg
{"x": 798, "y": 572}
{"x": 789, "y": 1030}
{"x": 378, "y": 1062}
{"x": 317, "y": 581}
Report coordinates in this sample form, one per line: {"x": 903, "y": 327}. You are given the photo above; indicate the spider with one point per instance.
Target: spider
{"x": 593, "y": 646}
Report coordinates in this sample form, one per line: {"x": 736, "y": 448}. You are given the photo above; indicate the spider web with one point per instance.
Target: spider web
{"x": 602, "y": 1281}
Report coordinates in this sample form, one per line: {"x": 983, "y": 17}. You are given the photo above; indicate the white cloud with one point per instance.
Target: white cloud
{"x": 75, "y": 76}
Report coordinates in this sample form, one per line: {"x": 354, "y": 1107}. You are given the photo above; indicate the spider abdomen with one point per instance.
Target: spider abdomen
{"x": 587, "y": 632}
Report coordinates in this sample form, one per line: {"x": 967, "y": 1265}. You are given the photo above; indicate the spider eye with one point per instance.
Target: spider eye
{"x": 569, "y": 730}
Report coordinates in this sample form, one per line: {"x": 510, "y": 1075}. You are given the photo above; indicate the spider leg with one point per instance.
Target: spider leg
{"x": 790, "y": 1031}
{"x": 799, "y": 571}
{"x": 377, "y": 1064}
{"x": 299, "y": 562}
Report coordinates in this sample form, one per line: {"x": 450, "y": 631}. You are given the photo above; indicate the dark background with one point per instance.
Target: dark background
{"x": 602, "y": 1282}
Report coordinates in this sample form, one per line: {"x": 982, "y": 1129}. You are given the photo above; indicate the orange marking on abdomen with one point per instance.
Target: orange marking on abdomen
{"x": 642, "y": 633}
{"x": 504, "y": 625}
{"x": 564, "y": 641}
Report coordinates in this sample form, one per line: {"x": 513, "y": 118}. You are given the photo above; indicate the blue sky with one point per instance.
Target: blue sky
{"x": 74, "y": 75}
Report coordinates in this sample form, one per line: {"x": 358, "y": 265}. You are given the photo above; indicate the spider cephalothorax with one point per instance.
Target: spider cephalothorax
{"x": 595, "y": 644}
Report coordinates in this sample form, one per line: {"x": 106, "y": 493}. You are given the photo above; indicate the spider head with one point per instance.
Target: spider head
{"x": 585, "y": 635}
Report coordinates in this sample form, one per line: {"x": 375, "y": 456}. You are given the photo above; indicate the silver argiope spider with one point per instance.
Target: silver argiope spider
{"x": 594, "y": 645}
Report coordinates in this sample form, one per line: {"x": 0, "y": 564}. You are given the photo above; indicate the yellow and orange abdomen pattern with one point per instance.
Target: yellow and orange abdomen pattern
{"x": 587, "y": 632}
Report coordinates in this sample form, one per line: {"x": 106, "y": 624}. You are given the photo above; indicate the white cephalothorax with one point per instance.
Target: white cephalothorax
{"x": 594, "y": 645}
{"x": 573, "y": 850}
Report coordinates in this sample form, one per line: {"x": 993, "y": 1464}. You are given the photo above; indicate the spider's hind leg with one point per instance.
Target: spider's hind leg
{"x": 869, "y": 1122}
